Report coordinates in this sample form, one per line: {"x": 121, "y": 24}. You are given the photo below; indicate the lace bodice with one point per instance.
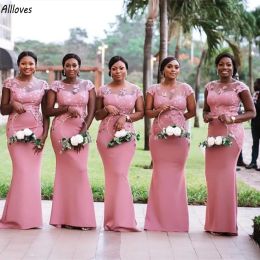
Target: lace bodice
{"x": 29, "y": 94}
{"x": 224, "y": 99}
{"x": 76, "y": 95}
{"x": 176, "y": 98}
{"x": 124, "y": 100}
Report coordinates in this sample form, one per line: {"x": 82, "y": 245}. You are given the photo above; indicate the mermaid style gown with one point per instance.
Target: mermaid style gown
{"x": 119, "y": 209}
{"x": 72, "y": 198}
{"x": 167, "y": 208}
{"x": 23, "y": 203}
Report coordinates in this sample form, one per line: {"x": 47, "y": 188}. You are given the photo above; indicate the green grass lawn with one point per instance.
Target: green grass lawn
{"x": 139, "y": 176}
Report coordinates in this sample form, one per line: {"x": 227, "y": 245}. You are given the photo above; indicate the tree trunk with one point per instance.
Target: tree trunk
{"x": 163, "y": 34}
{"x": 147, "y": 74}
{"x": 197, "y": 86}
{"x": 250, "y": 66}
{"x": 177, "y": 48}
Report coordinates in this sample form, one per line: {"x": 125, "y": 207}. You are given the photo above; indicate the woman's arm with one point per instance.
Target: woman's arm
{"x": 46, "y": 119}
{"x": 191, "y": 107}
{"x": 91, "y": 110}
{"x": 50, "y": 109}
{"x": 150, "y": 112}
{"x": 206, "y": 109}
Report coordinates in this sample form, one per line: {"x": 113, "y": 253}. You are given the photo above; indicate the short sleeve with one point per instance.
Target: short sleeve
{"x": 45, "y": 85}
{"x": 89, "y": 85}
{"x": 139, "y": 92}
{"x": 188, "y": 90}
{"x": 208, "y": 86}
{"x": 241, "y": 87}
{"x": 55, "y": 86}
{"x": 151, "y": 90}
{"x": 8, "y": 83}
{"x": 100, "y": 92}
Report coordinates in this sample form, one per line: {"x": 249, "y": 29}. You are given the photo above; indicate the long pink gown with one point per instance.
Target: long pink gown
{"x": 167, "y": 208}
{"x": 220, "y": 162}
{"x": 23, "y": 203}
{"x": 72, "y": 197}
{"x": 119, "y": 209}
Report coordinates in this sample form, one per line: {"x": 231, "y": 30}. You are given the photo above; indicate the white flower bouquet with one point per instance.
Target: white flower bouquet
{"x": 217, "y": 141}
{"x": 173, "y": 130}
{"x": 75, "y": 142}
{"x": 122, "y": 136}
{"x": 25, "y": 136}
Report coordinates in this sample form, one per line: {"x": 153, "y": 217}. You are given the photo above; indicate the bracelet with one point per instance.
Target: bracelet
{"x": 128, "y": 118}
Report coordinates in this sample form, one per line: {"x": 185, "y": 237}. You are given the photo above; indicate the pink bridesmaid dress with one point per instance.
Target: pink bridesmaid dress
{"x": 221, "y": 212}
{"x": 72, "y": 196}
{"x": 119, "y": 209}
{"x": 167, "y": 208}
{"x": 23, "y": 203}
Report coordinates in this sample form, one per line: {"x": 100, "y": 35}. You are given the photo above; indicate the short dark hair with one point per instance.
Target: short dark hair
{"x": 71, "y": 56}
{"x": 227, "y": 55}
{"x": 115, "y": 59}
{"x": 165, "y": 61}
{"x": 24, "y": 54}
{"x": 257, "y": 82}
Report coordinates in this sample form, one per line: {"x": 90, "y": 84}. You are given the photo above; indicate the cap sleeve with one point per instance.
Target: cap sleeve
{"x": 45, "y": 85}
{"x": 188, "y": 90}
{"x": 151, "y": 90}
{"x": 55, "y": 86}
{"x": 8, "y": 83}
{"x": 89, "y": 85}
{"x": 208, "y": 86}
{"x": 139, "y": 92}
{"x": 100, "y": 91}
{"x": 241, "y": 87}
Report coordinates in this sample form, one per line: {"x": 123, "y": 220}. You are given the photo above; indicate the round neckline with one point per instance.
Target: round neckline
{"x": 76, "y": 83}
{"x": 24, "y": 81}
{"x": 169, "y": 88}
{"x": 219, "y": 82}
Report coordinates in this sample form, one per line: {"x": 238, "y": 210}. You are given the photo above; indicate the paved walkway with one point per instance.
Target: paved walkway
{"x": 251, "y": 177}
{"x": 53, "y": 243}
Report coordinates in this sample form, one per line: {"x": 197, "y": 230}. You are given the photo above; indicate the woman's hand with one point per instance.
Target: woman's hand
{"x": 225, "y": 119}
{"x": 73, "y": 112}
{"x": 112, "y": 110}
{"x": 120, "y": 123}
{"x": 18, "y": 107}
{"x": 39, "y": 145}
{"x": 207, "y": 117}
{"x": 163, "y": 108}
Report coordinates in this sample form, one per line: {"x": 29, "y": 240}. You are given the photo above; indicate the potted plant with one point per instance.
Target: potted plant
{"x": 256, "y": 232}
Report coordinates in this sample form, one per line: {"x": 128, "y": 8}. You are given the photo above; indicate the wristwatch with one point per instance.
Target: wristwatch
{"x": 128, "y": 119}
{"x": 233, "y": 119}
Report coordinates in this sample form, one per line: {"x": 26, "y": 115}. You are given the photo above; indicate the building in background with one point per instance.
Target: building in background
{"x": 8, "y": 57}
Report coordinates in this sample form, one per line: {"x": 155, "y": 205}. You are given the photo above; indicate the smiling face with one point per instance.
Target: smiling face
{"x": 118, "y": 71}
{"x": 27, "y": 66}
{"x": 71, "y": 68}
{"x": 225, "y": 68}
{"x": 171, "y": 70}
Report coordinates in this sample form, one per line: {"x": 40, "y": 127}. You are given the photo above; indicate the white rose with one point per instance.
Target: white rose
{"x": 19, "y": 135}
{"x": 79, "y": 138}
{"x": 121, "y": 133}
{"x": 27, "y": 132}
{"x": 169, "y": 130}
{"x": 210, "y": 141}
{"x": 74, "y": 140}
{"x": 218, "y": 140}
{"x": 177, "y": 131}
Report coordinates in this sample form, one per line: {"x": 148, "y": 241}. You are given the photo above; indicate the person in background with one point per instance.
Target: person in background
{"x": 222, "y": 99}
{"x": 170, "y": 103}
{"x": 255, "y": 127}
{"x": 24, "y": 100}
{"x": 72, "y": 205}
{"x": 119, "y": 104}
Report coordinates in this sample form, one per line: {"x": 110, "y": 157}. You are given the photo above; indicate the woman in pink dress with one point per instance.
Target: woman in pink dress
{"x": 119, "y": 104}
{"x": 22, "y": 98}
{"x": 170, "y": 103}
{"x": 222, "y": 98}
{"x": 73, "y": 205}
